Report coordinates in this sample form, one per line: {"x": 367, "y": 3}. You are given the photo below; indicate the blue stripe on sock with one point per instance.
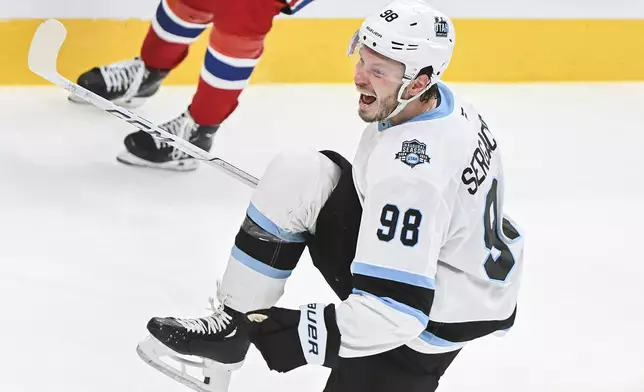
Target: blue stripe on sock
{"x": 392, "y": 274}
{"x": 419, "y": 315}
{"x": 226, "y": 71}
{"x": 173, "y": 28}
{"x": 258, "y": 266}
{"x": 272, "y": 228}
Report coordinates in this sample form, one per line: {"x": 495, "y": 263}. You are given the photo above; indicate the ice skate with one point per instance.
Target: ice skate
{"x": 212, "y": 346}
{"x": 127, "y": 83}
{"x": 144, "y": 150}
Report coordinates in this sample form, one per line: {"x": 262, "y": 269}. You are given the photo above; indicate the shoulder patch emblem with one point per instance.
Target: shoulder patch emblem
{"x": 413, "y": 153}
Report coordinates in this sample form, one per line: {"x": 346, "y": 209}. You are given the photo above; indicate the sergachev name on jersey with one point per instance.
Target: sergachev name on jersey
{"x": 476, "y": 173}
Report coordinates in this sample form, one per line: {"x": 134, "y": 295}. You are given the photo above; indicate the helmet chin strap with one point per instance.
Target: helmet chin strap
{"x": 402, "y": 103}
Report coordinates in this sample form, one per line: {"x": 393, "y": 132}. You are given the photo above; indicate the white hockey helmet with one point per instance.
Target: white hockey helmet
{"x": 413, "y": 33}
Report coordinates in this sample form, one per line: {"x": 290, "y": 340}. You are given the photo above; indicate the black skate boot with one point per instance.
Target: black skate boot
{"x": 127, "y": 83}
{"x": 216, "y": 344}
{"x": 214, "y": 337}
{"x": 142, "y": 149}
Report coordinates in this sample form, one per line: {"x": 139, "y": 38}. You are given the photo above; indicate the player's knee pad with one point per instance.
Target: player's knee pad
{"x": 179, "y": 23}
{"x": 294, "y": 188}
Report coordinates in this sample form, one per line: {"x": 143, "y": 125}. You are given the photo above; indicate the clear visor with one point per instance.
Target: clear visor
{"x": 371, "y": 64}
{"x": 353, "y": 44}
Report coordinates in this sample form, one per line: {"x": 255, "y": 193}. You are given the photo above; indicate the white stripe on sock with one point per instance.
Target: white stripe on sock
{"x": 221, "y": 83}
{"x": 232, "y": 61}
{"x": 169, "y": 37}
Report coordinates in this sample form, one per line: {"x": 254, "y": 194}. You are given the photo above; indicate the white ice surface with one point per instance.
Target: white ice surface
{"x": 91, "y": 249}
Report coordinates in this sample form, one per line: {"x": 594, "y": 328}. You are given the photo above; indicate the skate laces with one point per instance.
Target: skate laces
{"x": 183, "y": 127}
{"x": 124, "y": 75}
{"x": 212, "y": 324}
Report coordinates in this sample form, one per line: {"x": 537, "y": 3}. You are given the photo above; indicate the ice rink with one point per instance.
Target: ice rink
{"x": 91, "y": 249}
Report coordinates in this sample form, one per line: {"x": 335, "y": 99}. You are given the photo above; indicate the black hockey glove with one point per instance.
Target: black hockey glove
{"x": 290, "y": 338}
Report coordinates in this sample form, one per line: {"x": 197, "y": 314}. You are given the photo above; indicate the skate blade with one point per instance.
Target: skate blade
{"x": 183, "y": 165}
{"x": 131, "y": 103}
{"x": 216, "y": 376}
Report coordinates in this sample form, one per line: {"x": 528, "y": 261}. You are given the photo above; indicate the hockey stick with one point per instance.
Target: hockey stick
{"x": 43, "y": 53}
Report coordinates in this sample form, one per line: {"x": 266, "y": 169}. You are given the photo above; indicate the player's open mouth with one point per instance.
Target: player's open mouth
{"x": 366, "y": 100}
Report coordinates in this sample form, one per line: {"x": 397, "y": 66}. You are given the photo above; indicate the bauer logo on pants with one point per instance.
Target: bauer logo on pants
{"x": 413, "y": 153}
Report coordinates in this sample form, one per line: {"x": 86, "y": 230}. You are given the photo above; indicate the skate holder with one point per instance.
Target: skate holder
{"x": 216, "y": 376}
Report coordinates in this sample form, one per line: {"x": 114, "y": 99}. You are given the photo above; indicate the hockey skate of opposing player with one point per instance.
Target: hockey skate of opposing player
{"x": 412, "y": 236}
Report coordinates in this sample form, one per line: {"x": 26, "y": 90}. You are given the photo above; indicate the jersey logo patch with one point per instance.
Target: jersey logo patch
{"x": 413, "y": 153}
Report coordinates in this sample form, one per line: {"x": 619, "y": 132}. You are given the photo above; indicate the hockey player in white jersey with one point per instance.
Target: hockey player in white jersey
{"x": 412, "y": 236}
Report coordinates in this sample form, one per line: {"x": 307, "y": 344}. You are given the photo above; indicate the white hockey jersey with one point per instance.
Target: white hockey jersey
{"x": 437, "y": 263}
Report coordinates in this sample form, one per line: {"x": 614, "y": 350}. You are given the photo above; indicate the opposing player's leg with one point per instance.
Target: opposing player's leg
{"x": 235, "y": 47}
{"x": 229, "y": 63}
{"x": 176, "y": 24}
{"x": 279, "y": 222}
